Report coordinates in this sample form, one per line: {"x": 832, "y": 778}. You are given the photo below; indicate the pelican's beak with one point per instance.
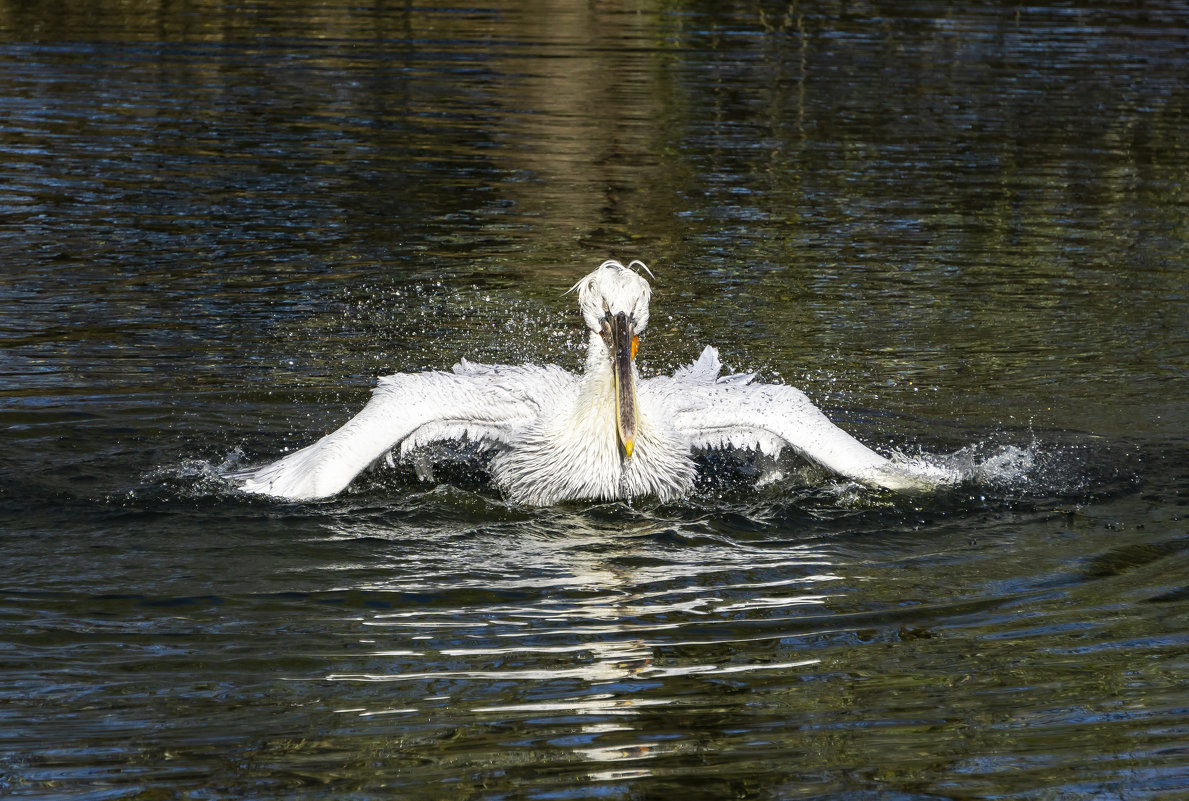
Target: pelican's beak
{"x": 623, "y": 351}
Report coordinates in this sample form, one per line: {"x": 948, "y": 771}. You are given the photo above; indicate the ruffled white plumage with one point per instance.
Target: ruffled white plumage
{"x": 553, "y": 436}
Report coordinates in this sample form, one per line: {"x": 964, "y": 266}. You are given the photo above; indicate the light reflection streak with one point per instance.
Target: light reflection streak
{"x": 600, "y": 614}
{"x": 584, "y": 652}
{"x": 598, "y": 705}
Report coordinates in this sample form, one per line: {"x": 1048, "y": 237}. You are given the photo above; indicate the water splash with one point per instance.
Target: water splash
{"x": 980, "y": 464}
{"x": 1058, "y": 464}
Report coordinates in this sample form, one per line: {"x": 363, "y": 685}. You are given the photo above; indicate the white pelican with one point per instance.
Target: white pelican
{"x": 606, "y": 434}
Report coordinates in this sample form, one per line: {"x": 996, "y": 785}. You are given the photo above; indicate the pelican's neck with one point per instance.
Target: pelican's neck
{"x": 599, "y": 376}
{"x": 598, "y": 360}
{"x": 595, "y": 405}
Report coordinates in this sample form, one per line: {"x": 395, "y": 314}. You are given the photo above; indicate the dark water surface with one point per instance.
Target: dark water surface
{"x": 962, "y": 228}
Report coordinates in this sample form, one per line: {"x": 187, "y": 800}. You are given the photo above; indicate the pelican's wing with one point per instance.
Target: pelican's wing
{"x": 732, "y": 411}
{"x": 484, "y": 403}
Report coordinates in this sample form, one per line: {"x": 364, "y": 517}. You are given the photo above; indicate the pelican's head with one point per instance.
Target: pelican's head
{"x": 612, "y": 289}
{"x": 614, "y": 304}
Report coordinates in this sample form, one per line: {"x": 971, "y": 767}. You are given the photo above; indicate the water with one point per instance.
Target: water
{"x": 961, "y": 228}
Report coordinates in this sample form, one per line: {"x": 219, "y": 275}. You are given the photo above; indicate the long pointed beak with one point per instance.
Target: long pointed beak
{"x": 623, "y": 345}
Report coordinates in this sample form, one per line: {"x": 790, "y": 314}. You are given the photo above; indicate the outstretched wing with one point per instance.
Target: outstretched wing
{"x": 733, "y": 411}
{"x": 483, "y": 403}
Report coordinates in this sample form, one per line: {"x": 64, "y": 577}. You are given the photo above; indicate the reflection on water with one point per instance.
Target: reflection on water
{"x": 961, "y": 228}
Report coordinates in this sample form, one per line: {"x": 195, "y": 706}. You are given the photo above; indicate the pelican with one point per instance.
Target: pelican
{"x": 606, "y": 434}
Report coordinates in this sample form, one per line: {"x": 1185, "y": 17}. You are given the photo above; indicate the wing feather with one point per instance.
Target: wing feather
{"x": 487, "y": 404}
{"x": 735, "y": 412}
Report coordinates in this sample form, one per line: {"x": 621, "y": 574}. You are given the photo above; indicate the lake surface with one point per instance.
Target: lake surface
{"x": 961, "y": 228}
